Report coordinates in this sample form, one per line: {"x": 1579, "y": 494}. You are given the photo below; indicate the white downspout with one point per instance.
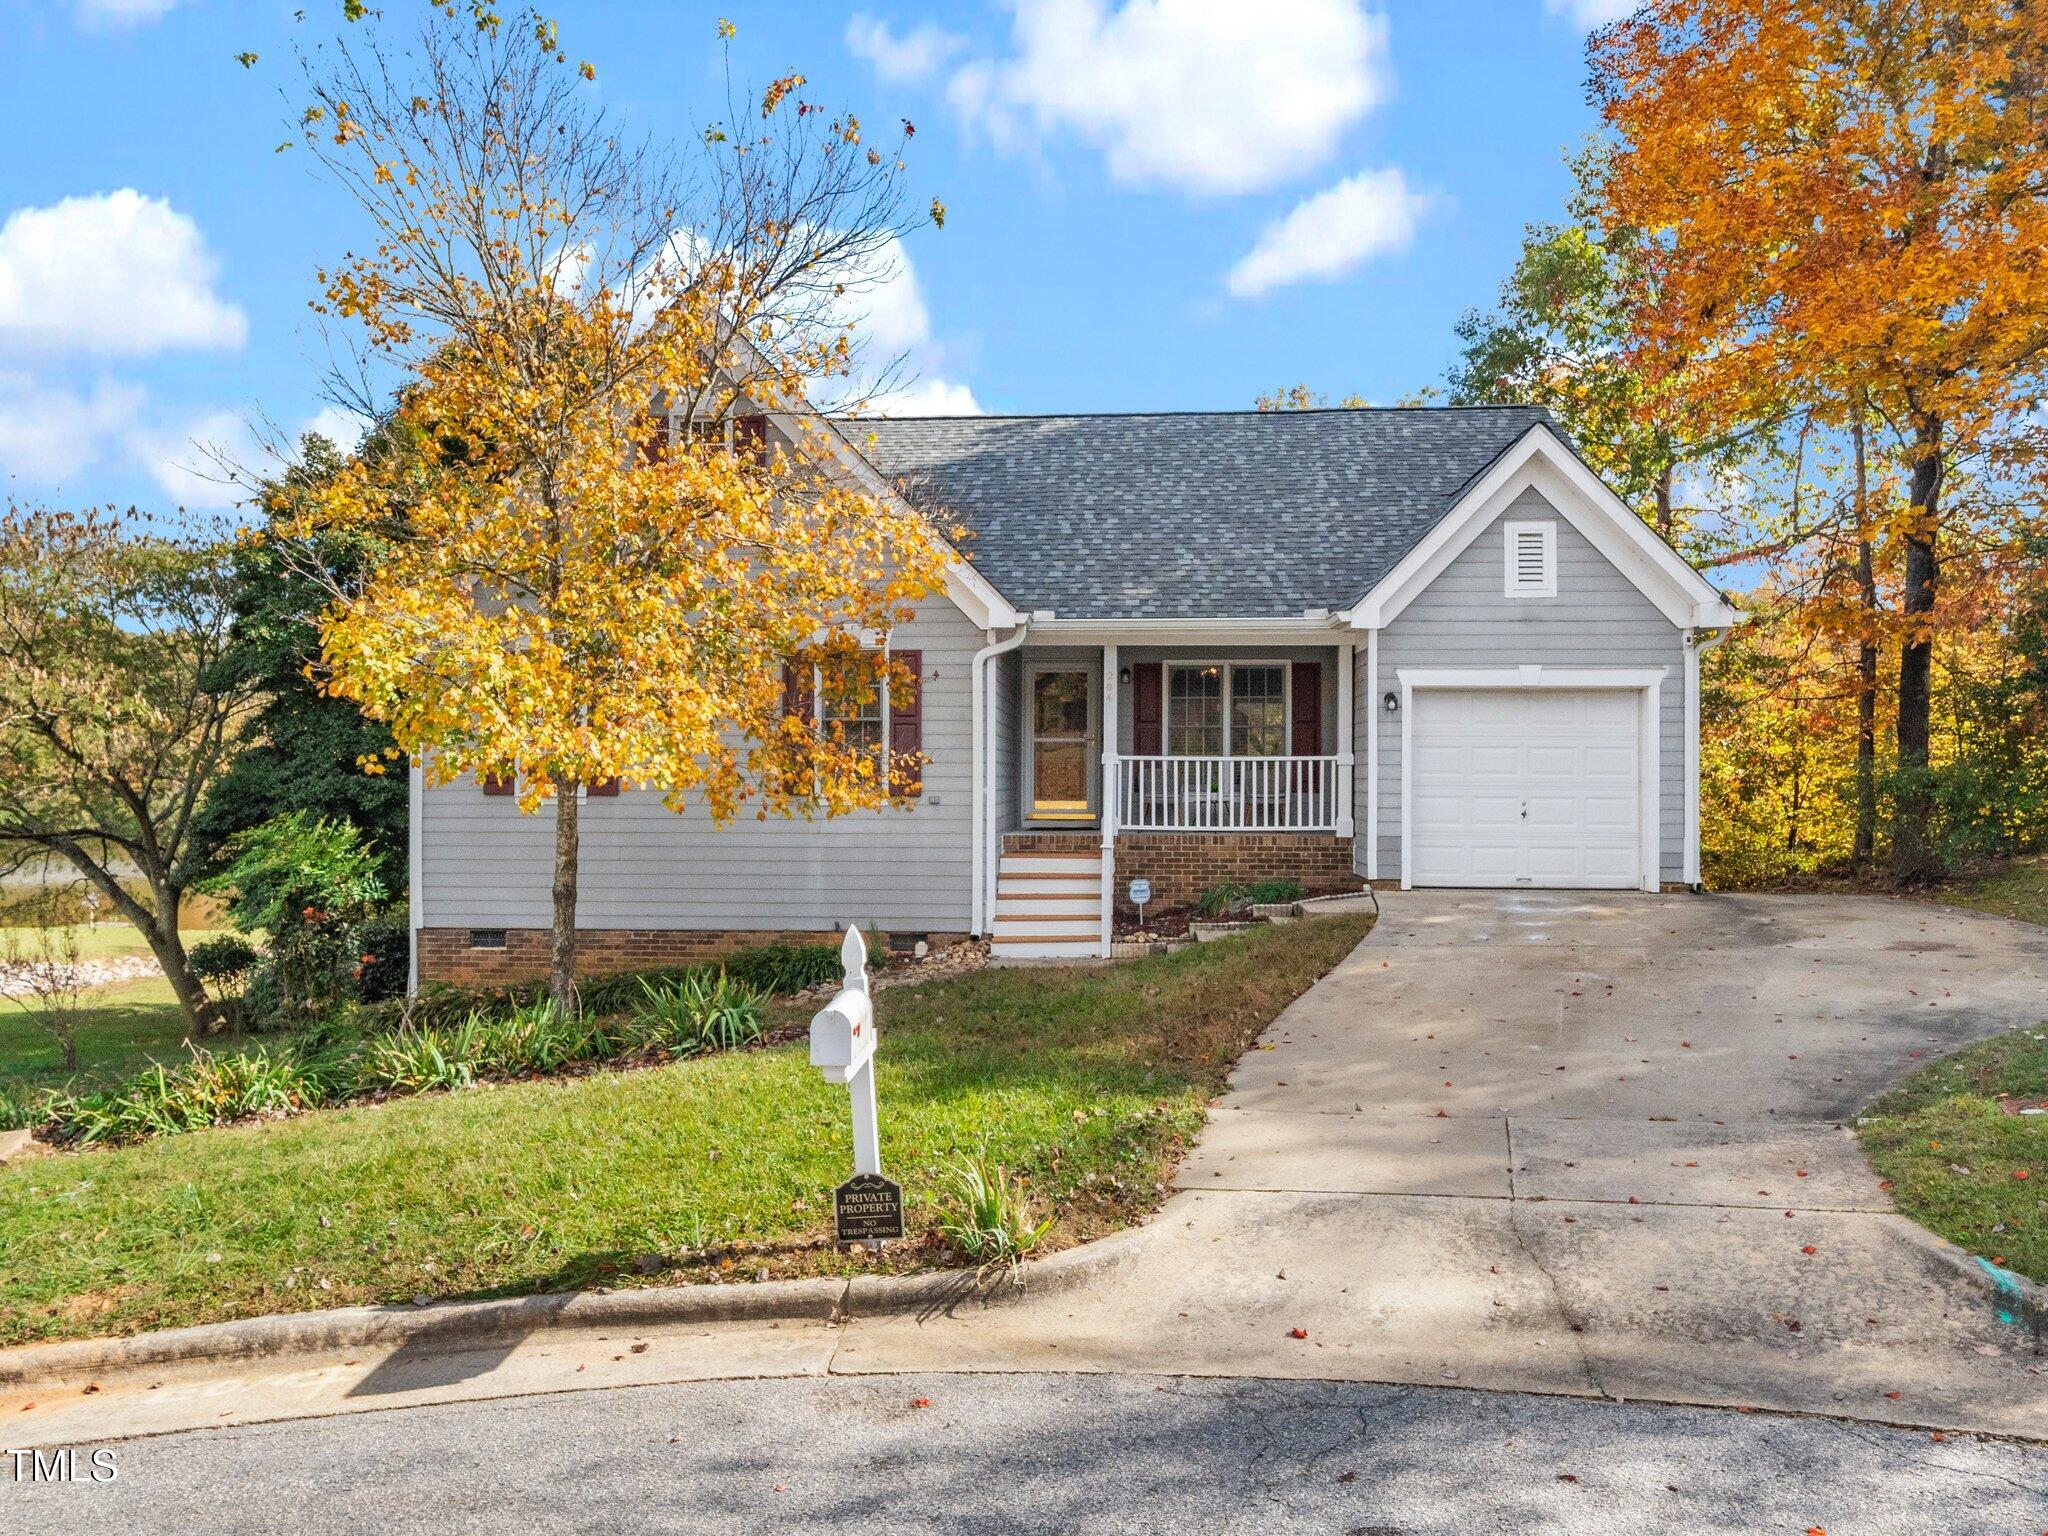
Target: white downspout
{"x": 1697, "y": 645}
{"x": 984, "y": 770}
{"x": 415, "y": 876}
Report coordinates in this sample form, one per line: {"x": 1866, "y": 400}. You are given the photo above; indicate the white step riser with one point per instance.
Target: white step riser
{"x": 1066, "y": 890}
{"x": 1050, "y": 864}
{"x": 1048, "y": 927}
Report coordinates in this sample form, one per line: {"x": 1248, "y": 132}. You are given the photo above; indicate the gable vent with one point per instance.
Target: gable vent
{"x": 1531, "y": 559}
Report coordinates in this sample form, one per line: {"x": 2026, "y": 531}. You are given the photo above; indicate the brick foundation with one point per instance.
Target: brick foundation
{"x": 446, "y": 953}
{"x": 1182, "y": 865}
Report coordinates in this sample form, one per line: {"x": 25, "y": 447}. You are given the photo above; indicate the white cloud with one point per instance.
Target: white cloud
{"x": 49, "y": 433}
{"x": 892, "y": 324}
{"x": 900, "y": 58}
{"x": 928, "y": 397}
{"x": 1325, "y": 236}
{"x": 343, "y": 428}
{"x": 1589, "y": 14}
{"x": 1202, "y": 95}
{"x": 111, "y": 273}
{"x": 122, "y": 13}
{"x": 185, "y": 461}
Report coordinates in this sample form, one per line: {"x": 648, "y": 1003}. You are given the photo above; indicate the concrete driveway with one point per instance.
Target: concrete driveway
{"x": 1579, "y": 1146}
{"x": 1575, "y": 1143}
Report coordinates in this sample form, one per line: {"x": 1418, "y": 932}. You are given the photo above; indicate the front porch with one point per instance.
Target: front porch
{"x": 1184, "y": 739}
{"x": 1187, "y": 766}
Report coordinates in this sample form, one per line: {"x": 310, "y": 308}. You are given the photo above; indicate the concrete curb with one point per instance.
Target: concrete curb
{"x": 2018, "y": 1300}
{"x": 824, "y": 1300}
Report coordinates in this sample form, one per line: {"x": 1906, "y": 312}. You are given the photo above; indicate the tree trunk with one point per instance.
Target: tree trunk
{"x": 169, "y": 950}
{"x": 1914, "y": 859}
{"x": 1664, "y": 514}
{"x": 1866, "y": 669}
{"x": 562, "y": 953}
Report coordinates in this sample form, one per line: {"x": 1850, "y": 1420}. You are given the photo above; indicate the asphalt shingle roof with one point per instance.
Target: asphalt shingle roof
{"x": 1223, "y": 514}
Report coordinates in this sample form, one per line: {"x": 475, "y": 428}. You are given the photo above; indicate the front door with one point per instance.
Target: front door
{"x": 1063, "y": 751}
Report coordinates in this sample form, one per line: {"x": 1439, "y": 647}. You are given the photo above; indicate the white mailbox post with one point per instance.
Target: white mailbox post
{"x": 843, "y": 1048}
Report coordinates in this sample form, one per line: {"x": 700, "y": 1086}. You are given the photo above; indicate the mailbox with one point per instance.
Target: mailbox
{"x": 843, "y": 1031}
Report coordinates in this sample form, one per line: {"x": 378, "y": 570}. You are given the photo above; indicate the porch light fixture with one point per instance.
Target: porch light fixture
{"x": 1391, "y": 703}
{"x": 1123, "y": 676}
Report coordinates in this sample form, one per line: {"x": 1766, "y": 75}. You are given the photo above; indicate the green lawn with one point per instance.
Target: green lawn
{"x": 105, "y": 941}
{"x": 1961, "y": 1165}
{"x": 134, "y": 1023}
{"x": 1089, "y": 1080}
{"x": 2018, "y": 889}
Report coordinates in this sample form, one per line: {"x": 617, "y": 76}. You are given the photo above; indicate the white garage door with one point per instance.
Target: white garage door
{"x": 1531, "y": 786}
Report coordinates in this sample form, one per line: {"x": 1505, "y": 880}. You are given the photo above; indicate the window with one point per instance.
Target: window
{"x": 854, "y": 706}
{"x": 1251, "y": 700}
{"x": 746, "y": 435}
{"x": 1531, "y": 557}
{"x": 1258, "y": 711}
{"x": 1194, "y": 712}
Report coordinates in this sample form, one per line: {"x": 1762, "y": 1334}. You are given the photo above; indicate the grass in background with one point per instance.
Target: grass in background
{"x": 1088, "y": 1081}
{"x": 134, "y": 1024}
{"x": 2018, "y": 889}
{"x": 1962, "y": 1166}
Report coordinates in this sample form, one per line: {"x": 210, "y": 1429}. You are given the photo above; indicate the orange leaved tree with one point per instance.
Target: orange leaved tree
{"x": 1843, "y": 207}
{"x": 596, "y": 562}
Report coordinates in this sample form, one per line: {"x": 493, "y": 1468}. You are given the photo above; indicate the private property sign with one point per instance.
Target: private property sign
{"x": 868, "y": 1209}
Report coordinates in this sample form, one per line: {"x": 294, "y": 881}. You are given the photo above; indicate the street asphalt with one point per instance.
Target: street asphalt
{"x": 1050, "y": 1453}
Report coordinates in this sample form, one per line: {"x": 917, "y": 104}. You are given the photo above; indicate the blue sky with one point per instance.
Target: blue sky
{"x": 1153, "y": 204}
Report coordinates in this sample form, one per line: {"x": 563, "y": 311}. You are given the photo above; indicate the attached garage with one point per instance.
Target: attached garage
{"x": 1530, "y": 777}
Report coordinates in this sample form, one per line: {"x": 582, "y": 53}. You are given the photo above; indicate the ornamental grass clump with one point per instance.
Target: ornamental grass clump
{"x": 209, "y": 1088}
{"x": 985, "y": 1212}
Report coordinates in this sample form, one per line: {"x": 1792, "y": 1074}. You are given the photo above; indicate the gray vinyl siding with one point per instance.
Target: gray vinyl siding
{"x": 645, "y": 866}
{"x": 1006, "y": 699}
{"x": 1463, "y": 619}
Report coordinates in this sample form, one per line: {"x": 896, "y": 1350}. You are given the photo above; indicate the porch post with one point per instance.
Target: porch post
{"x": 1110, "y": 775}
{"x": 1347, "y": 729}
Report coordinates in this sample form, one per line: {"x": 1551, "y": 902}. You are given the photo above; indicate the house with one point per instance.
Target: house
{"x": 1423, "y": 646}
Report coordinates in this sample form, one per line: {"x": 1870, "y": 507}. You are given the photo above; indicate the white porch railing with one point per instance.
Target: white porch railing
{"x": 1230, "y": 794}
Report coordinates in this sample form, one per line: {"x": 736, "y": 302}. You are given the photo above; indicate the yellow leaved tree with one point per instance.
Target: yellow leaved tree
{"x": 595, "y": 559}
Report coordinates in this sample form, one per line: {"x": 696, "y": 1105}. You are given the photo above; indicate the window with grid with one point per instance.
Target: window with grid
{"x": 1194, "y": 712}
{"x": 1258, "y": 711}
{"x": 854, "y": 706}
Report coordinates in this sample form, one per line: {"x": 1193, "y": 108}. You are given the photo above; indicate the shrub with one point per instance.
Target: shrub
{"x": 307, "y": 883}
{"x": 784, "y": 967}
{"x": 223, "y": 963}
{"x": 385, "y": 956}
{"x": 1236, "y": 896}
{"x": 21, "y": 1107}
{"x": 985, "y": 1213}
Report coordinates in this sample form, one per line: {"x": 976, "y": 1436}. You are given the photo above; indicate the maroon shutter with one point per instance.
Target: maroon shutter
{"x": 906, "y": 723}
{"x": 1308, "y": 709}
{"x": 798, "y": 695}
{"x": 799, "y": 698}
{"x": 602, "y": 787}
{"x": 495, "y": 784}
{"x": 750, "y": 438}
{"x": 1148, "y": 708}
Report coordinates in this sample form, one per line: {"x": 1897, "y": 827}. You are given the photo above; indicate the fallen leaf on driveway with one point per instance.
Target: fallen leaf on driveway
{"x": 1566, "y": 1477}
{"x": 920, "y": 1402}
{"x": 1297, "y": 1333}
{"x": 1809, "y": 1248}
{"x": 1893, "y": 1396}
